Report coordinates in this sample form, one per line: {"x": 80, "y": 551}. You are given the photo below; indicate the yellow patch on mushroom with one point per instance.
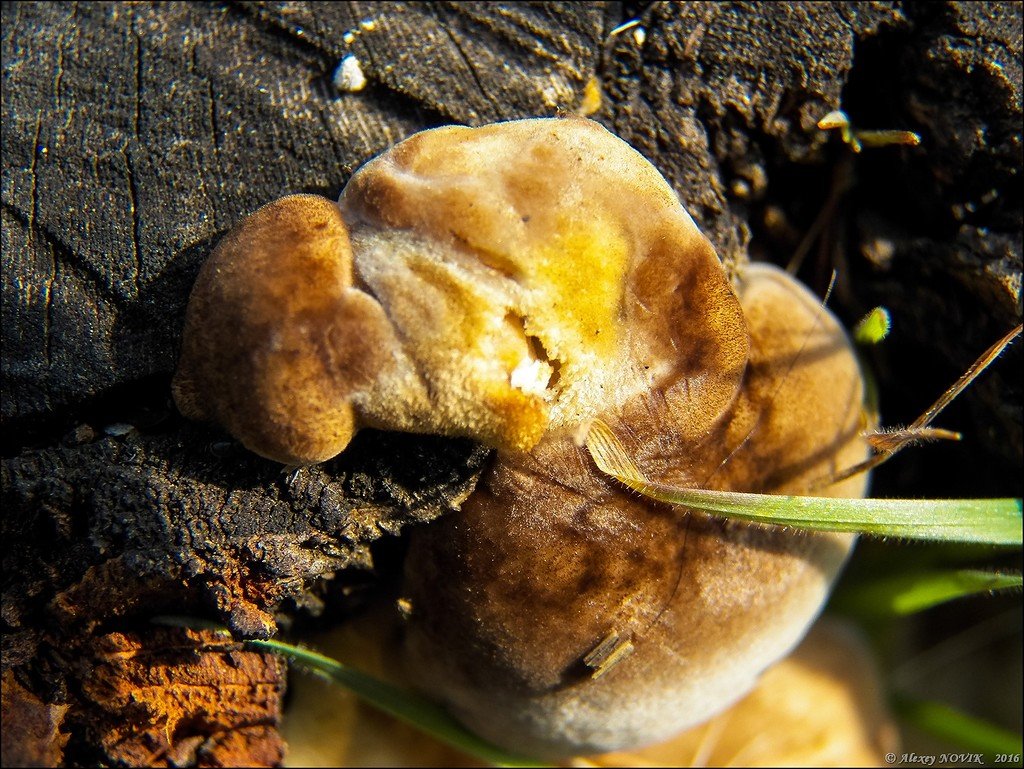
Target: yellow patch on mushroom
{"x": 584, "y": 305}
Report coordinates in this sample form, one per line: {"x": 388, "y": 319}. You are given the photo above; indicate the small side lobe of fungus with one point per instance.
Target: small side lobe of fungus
{"x": 269, "y": 350}
{"x": 509, "y": 283}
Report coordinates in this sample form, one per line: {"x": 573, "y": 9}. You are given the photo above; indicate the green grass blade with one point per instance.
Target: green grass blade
{"x": 902, "y": 594}
{"x": 873, "y": 327}
{"x": 957, "y": 728}
{"x": 400, "y": 703}
{"x": 992, "y": 521}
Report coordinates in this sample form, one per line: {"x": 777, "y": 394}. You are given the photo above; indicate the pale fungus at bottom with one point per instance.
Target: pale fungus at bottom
{"x": 510, "y": 283}
{"x": 823, "y": 705}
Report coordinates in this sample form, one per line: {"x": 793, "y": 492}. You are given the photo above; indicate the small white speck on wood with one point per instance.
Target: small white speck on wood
{"x": 349, "y": 77}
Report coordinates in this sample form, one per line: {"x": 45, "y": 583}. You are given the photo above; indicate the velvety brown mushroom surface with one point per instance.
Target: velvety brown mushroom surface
{"x": 275, "y": 337}
{"x": 510, "y": 283}
{"x": 548, "y": 559}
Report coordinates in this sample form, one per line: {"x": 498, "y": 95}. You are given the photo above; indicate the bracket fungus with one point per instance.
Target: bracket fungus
{"x": 510, "y": 283}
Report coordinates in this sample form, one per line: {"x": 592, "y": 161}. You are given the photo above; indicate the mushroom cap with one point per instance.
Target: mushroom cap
{"x": 548, "y": 558}
{"x": 497, "y": 283}
{"x": 537, "y": 273}
{"x": 276, "y": 340}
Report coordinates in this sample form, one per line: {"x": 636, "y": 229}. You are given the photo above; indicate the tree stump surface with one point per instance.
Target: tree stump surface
{"x": 134, "y": 136}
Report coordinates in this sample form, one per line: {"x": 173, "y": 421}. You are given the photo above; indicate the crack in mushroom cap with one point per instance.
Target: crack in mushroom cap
{"x": 548, "y": 557}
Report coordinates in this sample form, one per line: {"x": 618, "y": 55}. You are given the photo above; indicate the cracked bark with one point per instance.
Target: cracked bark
{"x": 134, "y": 136}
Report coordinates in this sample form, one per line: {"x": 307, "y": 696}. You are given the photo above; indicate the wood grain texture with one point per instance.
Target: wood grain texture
{"x": 134, "y": 136}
